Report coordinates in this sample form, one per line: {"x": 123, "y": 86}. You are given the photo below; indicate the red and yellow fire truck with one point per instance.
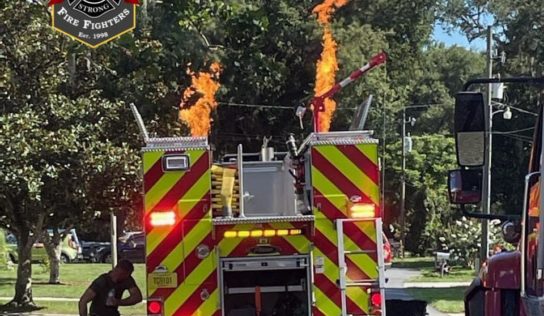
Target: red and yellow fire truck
{"x": 293, "y": 233}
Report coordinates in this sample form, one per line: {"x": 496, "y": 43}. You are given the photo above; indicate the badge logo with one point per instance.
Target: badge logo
{"x": 93, "y": 22}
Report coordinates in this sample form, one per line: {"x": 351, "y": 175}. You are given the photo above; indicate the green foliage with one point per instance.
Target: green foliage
{"x": 3, "y": 251}
{"x": 462, "y": 238}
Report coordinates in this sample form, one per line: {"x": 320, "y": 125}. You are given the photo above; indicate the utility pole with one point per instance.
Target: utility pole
{"x": 113, "y": 224}
{"x": 486, "y": 205}
{"x": 403, "y": 186}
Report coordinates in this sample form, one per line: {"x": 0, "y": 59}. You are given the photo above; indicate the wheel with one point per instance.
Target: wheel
{"x": 510, "y": 303}
{"x": 106, "y": 258}
{"x": 64, "y": 258}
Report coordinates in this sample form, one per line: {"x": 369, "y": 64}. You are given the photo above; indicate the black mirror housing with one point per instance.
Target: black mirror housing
{"x": 470, "y": 129}
{"x": 465, "y": 186}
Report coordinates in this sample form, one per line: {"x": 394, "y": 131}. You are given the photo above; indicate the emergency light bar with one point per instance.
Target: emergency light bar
{"x": 163, "y": 218}
{"x": 262, "y": 233}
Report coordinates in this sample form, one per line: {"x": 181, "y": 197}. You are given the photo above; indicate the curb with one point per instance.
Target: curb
{"x": 435, "y": 284}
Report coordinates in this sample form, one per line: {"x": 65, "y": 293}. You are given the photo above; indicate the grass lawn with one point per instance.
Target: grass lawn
{"x": 413, "y": 262}
{"x": 457, "y": 274}
{"x": 446, "y": 300}
{"x": 75, "y": 279}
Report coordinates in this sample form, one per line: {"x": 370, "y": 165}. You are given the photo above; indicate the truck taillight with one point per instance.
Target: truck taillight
{"x": 154, "y": 307}
{"x": 362, "y": 210}
{"x": 376, "y": 299}
{"x": 162, "y": 218}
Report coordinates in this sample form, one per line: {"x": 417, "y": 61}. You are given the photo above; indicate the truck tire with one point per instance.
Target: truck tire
{"x": 509, "y": 303}
{"x": 64, "y": 258}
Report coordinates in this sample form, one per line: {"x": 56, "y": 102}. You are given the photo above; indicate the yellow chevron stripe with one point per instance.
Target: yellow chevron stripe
{"x": 186, "y": 289}
{"x": 150, "y": 158}
{"x": 209, "y": 306}
{"x": 359, "y": 297}
{"x": 201, "y": 272}
{"x": 187, "y": 202}
{"x": 369, "y": 228}
{"x": 365, "y": 263}
{"x": 166, "y": 182}
{"x": 330, "y": 190}
{"x": 370, "y": 151}
{"x": 351, "y": 171}
{"x": 324, "y": 304}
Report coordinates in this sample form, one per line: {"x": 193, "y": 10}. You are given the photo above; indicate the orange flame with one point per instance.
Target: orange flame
{"x": 198, "y": 101}
{"x": 327, "y": 65}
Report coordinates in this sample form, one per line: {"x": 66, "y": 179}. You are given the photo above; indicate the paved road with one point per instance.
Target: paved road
{"x": 395, "y": 287}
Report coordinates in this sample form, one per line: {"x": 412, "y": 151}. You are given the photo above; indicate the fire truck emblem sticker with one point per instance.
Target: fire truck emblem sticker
{"x": 93, "y": 22}
{"x": 355, "y": 199}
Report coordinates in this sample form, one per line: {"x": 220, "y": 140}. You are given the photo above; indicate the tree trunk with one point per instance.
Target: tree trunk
{"x": 52, "y": 247}
{"x": 23, "y": 285}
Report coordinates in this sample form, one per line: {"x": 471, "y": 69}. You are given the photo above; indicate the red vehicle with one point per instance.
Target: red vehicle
{"x": 387, "y": 252}
{"x": 509, "y": 283}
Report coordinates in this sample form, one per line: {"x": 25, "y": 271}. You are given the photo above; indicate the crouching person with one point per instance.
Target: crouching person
{"x": 106, "y": 292}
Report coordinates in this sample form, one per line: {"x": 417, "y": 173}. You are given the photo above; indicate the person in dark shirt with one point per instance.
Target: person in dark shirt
{"x": 106, "y": 291}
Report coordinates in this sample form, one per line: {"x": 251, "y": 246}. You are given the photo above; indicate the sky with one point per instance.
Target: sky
{"x": 456, "y": 38}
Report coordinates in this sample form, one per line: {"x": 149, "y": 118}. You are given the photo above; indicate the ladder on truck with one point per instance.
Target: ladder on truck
{"x": 373, "y": 283}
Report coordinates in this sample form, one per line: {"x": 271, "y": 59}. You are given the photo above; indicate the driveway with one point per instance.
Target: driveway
{"x": 395, "y": 287}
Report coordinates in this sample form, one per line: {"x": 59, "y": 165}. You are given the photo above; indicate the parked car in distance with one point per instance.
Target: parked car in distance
{"x": 91, "y": 249}
{"x": 70, "y": 248}
{"x": 130, "y": 246}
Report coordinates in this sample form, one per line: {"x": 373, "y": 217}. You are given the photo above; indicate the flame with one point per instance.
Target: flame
{"x": 198, "y": 100}
{"x": 327, "y": 65}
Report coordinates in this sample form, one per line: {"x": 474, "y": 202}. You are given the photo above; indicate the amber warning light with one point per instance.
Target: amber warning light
{"x": 262, "y": 233}
{"x": 362, "y": 210}
{"x": 162, "y": 218}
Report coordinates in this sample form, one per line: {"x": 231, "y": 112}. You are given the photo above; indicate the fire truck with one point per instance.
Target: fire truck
{"x": 510, "y": 283}
{"x": 294, "y": 233}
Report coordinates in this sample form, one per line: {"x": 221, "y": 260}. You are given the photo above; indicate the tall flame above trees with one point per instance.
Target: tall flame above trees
{"x": 198, "y": 100}
{"x": 327, "y": 65}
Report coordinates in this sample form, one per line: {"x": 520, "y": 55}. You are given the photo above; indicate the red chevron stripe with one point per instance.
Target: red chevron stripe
{"x": 194, "y": 301}
{"x": 331, "y": 290}
{"x": 340, "y": 180}
{"x": 361, "y": 161}
{"x": 326, "y": 247}
{"x": 173, "y": 238}
{"x": 353, "y": 308}
{"x": 184, "y": 184}
{"x": 327, "y": 208}
{"x": 192, "y": 261}
{"x": 317, "y": 312}
{"x": 354, "y": 272}
{"x": 165, "y": 247}
{"x": 153, "y": 175}
{"x": 359, "y": 237}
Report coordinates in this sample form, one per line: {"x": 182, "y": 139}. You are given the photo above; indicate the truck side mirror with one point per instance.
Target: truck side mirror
{"x": 465, "y": 186}
{"x": 470, "y": 129}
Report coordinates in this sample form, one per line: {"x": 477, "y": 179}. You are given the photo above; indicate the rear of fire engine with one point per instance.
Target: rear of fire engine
{"x": 273, "y": 233}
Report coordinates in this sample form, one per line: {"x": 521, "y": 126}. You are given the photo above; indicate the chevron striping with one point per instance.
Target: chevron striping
{"x": 356, "y": 179}
{"x": 324, "y": 304}
{"x": 371, "y": 152}
{"x": 150, "y": 159}
{"x": 203, "y": 271}
{"x": 170, "y": 180}
{"x": 362, "y": 162}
